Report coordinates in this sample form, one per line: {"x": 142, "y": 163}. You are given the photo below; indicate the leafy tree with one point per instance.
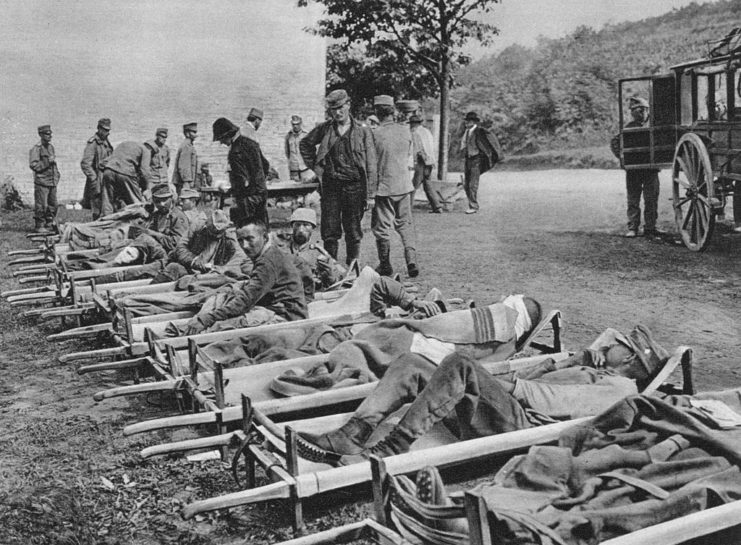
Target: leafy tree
{"x": 383, "y": 73}
{"x": 430, "y": 34}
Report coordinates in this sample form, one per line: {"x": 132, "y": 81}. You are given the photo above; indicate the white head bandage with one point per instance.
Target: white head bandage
{"x": 523, "y": 323}
{"x": 126, "y": 256}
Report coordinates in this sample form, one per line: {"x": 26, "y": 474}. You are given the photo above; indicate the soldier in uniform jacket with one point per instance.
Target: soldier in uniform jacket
{"x": 97, "y": 149}
{"x": 43, "y": 163}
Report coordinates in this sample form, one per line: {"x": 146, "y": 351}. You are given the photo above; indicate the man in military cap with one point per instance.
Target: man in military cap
{"x": 252, "y": 124}
{"x": 482, "y": 151}
{"x": 156, "y": 159}
{"x": 297, "y": 169}
{"x": 188, "y": 203}
{"x": 342, "y": 153}
{"x": 186, "y": 159}
{"x": 204, "y": 178}
{"x": 423, "y": 157}
{"x": 318, "y": 270}
{"x": 639, "y": 181}
{"x": 43, "y": 162}
{"x": 123, "y": 177}
{"x": 209, "y": 248}
{"x": 246, "y": 173}
{"x": 393, "y": 205}
{"x": 97, "y": 149}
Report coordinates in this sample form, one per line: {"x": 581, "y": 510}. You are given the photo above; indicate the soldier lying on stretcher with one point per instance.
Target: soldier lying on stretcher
{"x": 443, "y": 381}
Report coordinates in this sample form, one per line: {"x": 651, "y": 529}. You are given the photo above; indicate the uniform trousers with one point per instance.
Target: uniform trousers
{"x": 44, "y": 203}
{"x": 342, "y": 207}
{"x": 394, "y": 211}
{"x": 471, "y": 401}
{"x": 647, "y": 183}
{"x": 119, "y": 188}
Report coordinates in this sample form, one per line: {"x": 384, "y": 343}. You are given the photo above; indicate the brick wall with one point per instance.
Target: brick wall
{"x": 152, "y": 63}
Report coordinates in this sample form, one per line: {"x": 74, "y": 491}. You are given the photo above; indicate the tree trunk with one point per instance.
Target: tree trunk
{"x": 442, "y": 155}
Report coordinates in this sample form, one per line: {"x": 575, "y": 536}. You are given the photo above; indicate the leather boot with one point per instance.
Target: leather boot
{"x": 410, "y": 254}
{"x": 384, "y": 258}
{"x": 331, "y": 246}
{"x": 349, "y": 439}
{"x": 352, "y": 250}
{"x": 39, "y": 226}
{"x": 396, "y": 442}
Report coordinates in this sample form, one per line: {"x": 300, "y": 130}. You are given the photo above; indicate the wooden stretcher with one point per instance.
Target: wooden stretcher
{"x": 296, "y": 479}
{"x": 254, "y": 382}
{"x": 131, "y": 342}
{"x": 704, "y": 524}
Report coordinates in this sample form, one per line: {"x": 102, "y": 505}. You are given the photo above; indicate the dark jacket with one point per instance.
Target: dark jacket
{"x": 96, "y": 150}
{"x": 488, "y": 145}
{"x": 247, "y": 174}
{"x": 315, "y": 146}
{"x": 274, "y": 283}
{"x": 190, "y": 249}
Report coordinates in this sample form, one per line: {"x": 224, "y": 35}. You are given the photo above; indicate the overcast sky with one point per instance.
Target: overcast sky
{"x": 522, "y": 21}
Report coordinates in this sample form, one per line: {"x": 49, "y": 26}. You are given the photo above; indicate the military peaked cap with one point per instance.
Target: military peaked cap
{"x": 188, "y": 193}
{"x": 104, "y": 123}
{"x": 337, "y": 98}
{"x": 255, "y": 112}
{"x": 296, "y": 119}
{"x": 637, "y": 102}
{"x": 383, "y": 100}
{"x": 190, "y": 126}
{"x": 161, "y": 131}
{"x": 415, "y": 119}
{"x": 161, "y": 191}
{"x": 44, "y": 128}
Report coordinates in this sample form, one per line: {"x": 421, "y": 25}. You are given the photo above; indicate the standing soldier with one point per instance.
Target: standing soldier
{"x": 98, "y": 148}
{"x": 246, "y": 174}
{"x": 296, "y": 167}
{"x": 186, "y": 160}
{"x": 637, "y": 181}
{"x": 156, "y": 159}
{"x": 393, "y": 206}
{"x": 43, "y": 162}
{"x": 343, "y": 155}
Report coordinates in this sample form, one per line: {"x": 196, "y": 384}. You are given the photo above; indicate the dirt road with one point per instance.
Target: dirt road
{"x": 554, "y": 235}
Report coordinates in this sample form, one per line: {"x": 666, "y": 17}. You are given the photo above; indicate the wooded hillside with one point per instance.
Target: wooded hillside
{"x": 562, "y": 94}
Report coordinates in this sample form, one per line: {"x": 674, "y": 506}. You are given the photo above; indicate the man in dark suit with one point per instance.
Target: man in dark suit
{"x": 246, "y": 174}
{"x": 482, "y": 151}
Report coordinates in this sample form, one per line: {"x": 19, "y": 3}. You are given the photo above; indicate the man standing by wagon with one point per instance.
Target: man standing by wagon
{"x": 96, "y": 150}
{"x": 637, "y": 181}
{"x": 186, "y": 160}
{"x": 43, "y": 163}
{"x": 246, "y": 174}
{"x": 156, "y": 159}
{"x": 393, "y": 205}
{"x": 482, "y": 151}
{"x": 342, "y": 153}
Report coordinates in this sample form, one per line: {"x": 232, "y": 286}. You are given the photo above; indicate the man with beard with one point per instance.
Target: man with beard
{"x": 318, "y": 269}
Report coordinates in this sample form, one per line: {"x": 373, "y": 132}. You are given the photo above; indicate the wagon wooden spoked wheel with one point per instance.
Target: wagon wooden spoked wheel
{"x": 692, "y": 184}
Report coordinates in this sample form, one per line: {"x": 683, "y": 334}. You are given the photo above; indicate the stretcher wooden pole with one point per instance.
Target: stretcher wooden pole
{"x": 311, "y": 484}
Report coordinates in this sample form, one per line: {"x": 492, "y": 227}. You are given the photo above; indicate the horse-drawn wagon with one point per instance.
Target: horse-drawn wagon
{"x": 694, "y": 128}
